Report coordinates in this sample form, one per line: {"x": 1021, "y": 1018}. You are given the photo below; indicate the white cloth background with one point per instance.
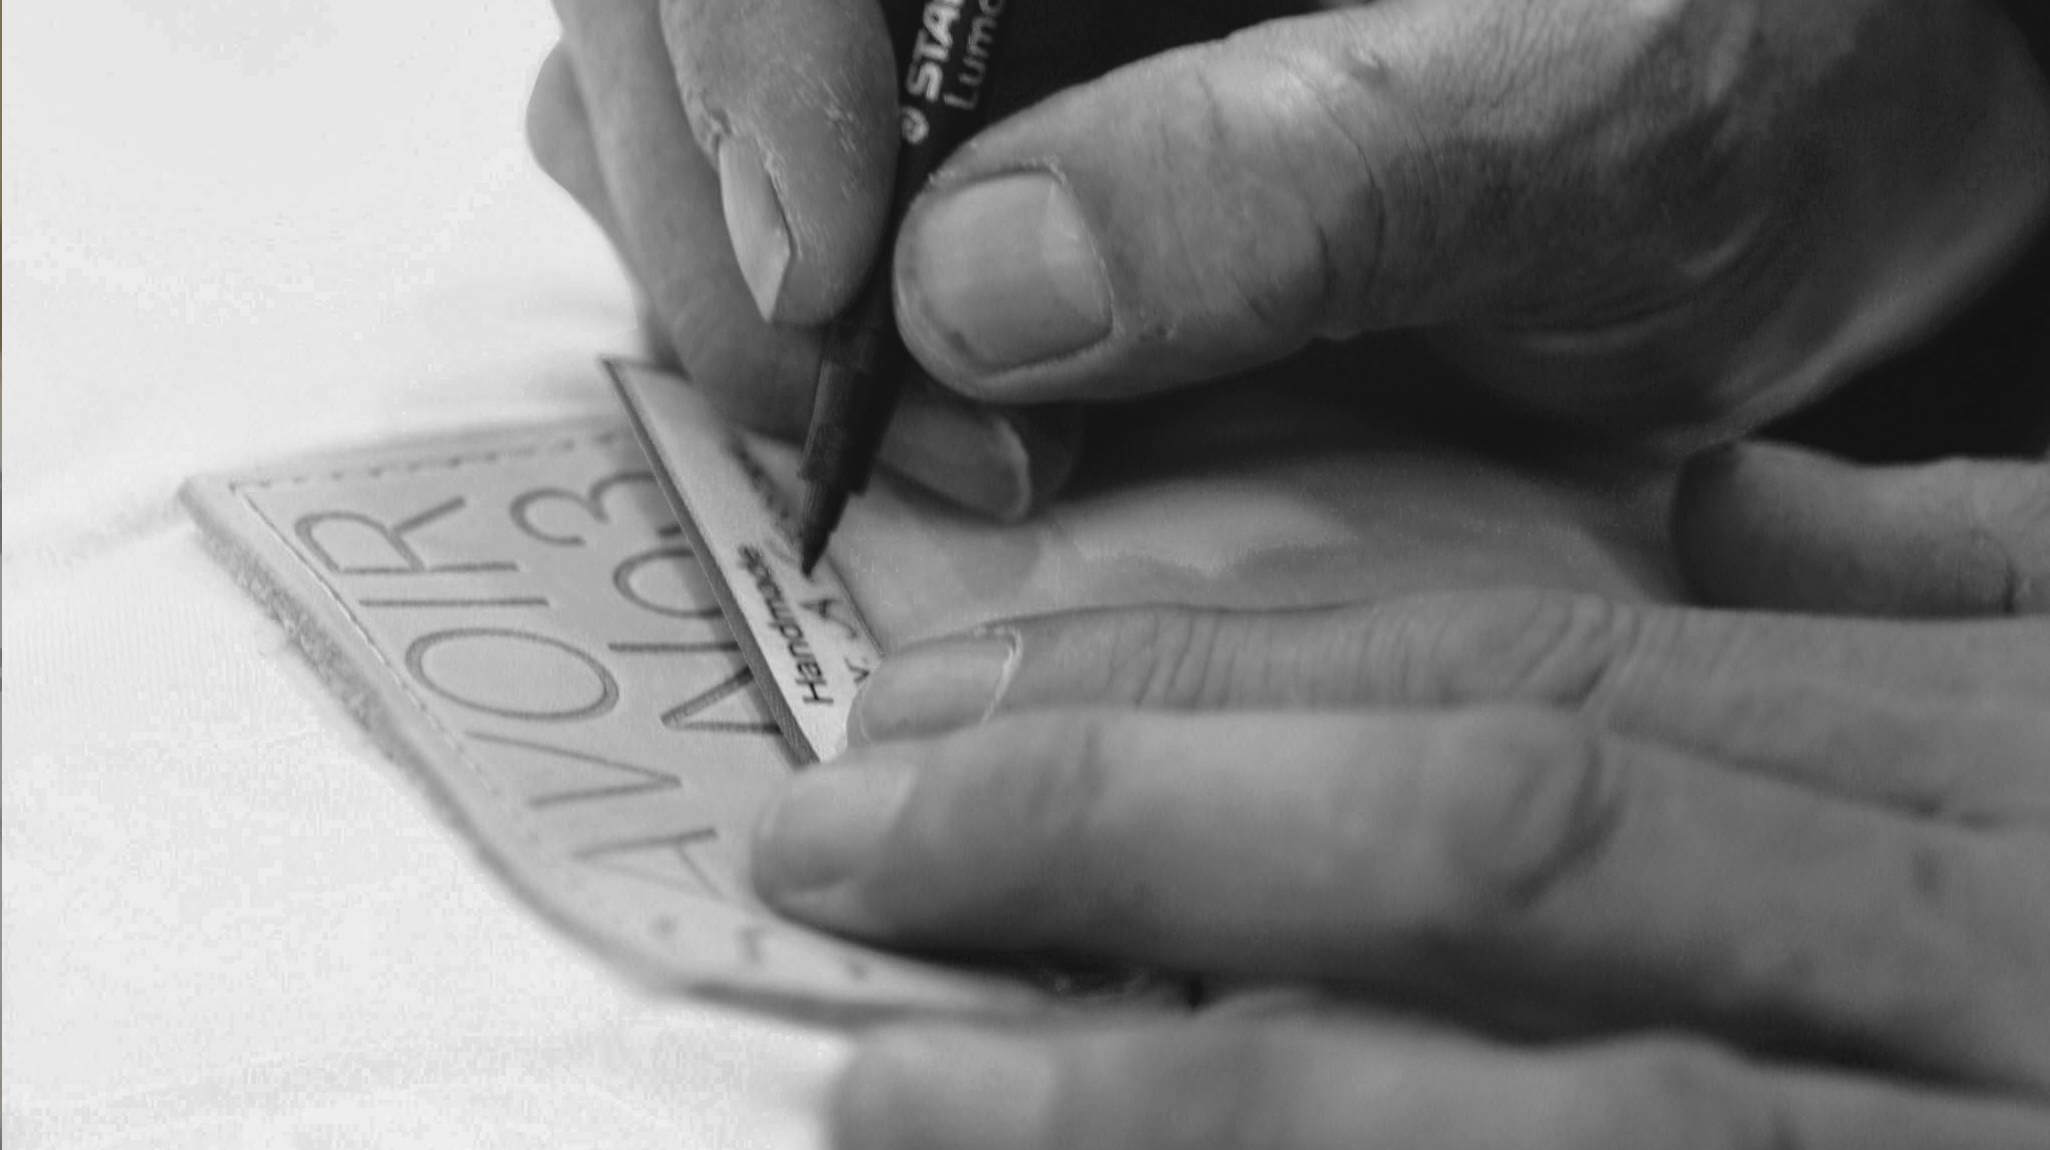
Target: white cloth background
{"x": 238, "y": 230}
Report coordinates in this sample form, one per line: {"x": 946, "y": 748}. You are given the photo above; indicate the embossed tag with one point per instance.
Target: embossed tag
{"x": 519, "y": 620}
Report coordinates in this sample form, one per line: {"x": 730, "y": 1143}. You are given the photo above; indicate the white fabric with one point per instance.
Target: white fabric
{"x": 237, "y": 231}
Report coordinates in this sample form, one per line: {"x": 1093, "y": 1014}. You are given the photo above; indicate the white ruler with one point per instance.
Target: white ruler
{"x": 803, "y": 635}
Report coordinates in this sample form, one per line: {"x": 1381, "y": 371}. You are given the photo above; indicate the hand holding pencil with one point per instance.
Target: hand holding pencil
{"x": 1666, "y": 223}
{"x": 1656, "y": 222}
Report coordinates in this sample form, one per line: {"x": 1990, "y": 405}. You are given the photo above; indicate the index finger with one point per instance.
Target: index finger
{"x": 1927, "y": 717}
{"x": 794, "y": 102}
{"x": 1772, "y": 526}
{"x": 660, "y": 192}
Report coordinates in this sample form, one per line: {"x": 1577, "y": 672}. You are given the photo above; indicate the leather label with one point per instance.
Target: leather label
{"x": 519, "y": 619}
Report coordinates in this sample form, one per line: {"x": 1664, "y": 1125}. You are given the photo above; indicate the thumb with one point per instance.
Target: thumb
{"x": 1766, "y": 526}
{"x": 1613, "y": 205}
{"x": 1220, "y": 205}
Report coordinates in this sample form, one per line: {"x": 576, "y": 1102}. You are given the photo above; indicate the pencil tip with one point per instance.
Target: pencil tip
{"x": 809, "y": 550}
{"x": 821, "y": 513}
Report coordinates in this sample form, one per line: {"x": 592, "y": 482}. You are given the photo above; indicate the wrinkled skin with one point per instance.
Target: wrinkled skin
{"x": 1764, "y": 876}
{"x": 1636, "y": 874}
{"x": 1669, "y": 220}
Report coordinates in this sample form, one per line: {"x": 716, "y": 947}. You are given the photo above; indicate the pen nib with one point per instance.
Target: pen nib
{"x": 822, "y": 507}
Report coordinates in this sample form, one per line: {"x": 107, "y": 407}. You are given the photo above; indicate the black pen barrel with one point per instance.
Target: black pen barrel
{"x": 946, "y": 69}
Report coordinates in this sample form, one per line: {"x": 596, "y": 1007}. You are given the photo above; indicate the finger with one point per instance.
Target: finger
{"x": 1493, "y": 850}
{"x": 559, "y": 136}
{"x": 1981, "y": 764}
{"x": 1610, "y": 199}
{"x": 1208, "y": 209}
{"x": 1769, "y": 526}
{"x": 662, "y": 200}
{"x": 1300, "y": 1084}
{"x": 666, "y": 200}
{"x": 794, "y": 104}
{"x": 1950, "y": 718}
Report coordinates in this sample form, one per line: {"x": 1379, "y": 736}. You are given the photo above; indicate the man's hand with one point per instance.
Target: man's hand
{"x": 1317, "y": 1075}
{"x": 1672, "y": 219}
{"x": 1820, "y": 834}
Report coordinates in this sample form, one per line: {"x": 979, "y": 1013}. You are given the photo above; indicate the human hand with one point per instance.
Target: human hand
{"x": 1276, "y": 495}
{"x": 1306, "y": 1074}
{"x": 1672, "y": 220}
{"x": 665, "y": 121}
{"x": 1816, "y": 833}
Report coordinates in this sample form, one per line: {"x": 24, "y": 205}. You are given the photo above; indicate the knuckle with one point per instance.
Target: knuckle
{"x": 1162, "y": 655}
{"x": 1535, "y": 646}
{"x": 716, "y": 54}
{"x": 1361, "y": 279}
{"x": 1054, "y": 773}
{"x": 866, "y": 1106}
{"x": 756, "y": 375}
{"x": 2011, "y": 516}
{"x": 1321, "y": 130}
{"x": 1425, "y": 648}
{"x": 1962, "y": 980}
{"x": 1017, "y": 802}
{"x": 1222, "y": 1086}
{"x": 1683, "y": 1075}
{"x": 688, "y": 31}
{"x": 554, "y": 114}
{"x": 1676, "y": 1086}
{"x": 1526, "y": 803}
{"x": 1250, "y": 140}
{"x": 1570, "y": 647}
{"x": 1042, "y": 781}
{"x": 1226, "y": 274}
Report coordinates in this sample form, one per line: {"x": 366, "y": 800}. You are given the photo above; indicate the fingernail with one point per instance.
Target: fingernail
{"x": 1004, "y": 273}
{"x": 754, "y": 221}
{"x": 945, "y": 1088}
{"x": 1003, "y": 463}
{"x": 931, "y": 688}
{"x": 827, "y": 826}
{"x": 1736, "y": 474}
{"x": 972, "y": 455}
